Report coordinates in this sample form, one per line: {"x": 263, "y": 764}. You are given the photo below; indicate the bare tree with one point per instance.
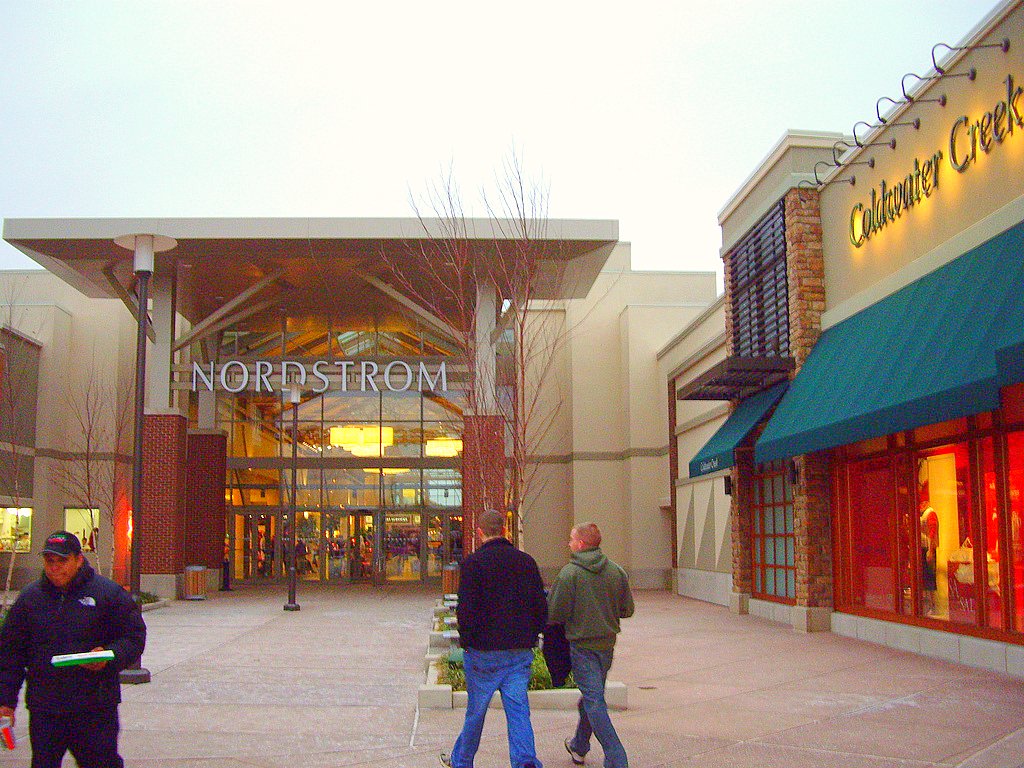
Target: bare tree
{"x": 19, "y": 372}
{"x": 88, "y": 475}
{"x": 446, "y": 279}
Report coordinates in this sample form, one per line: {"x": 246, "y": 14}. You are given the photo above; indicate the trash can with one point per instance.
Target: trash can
{"x": 195, "y": 582}
{"x": 450, "y": 578}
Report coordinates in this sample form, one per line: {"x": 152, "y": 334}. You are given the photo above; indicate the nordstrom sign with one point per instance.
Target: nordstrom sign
{"x": 348, "y": 375}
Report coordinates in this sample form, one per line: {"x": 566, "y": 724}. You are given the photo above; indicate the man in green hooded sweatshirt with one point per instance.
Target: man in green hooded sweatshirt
{"x": 589, "y": 597}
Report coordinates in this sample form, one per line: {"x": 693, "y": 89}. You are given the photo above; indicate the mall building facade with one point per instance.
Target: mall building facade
{"x": 316, "y": 368}
{"x": 859, "y": 393}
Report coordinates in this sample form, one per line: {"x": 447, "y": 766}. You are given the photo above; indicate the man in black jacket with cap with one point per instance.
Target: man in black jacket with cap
{"x": 502, "y": 610}
{"x": 70, "y": 609}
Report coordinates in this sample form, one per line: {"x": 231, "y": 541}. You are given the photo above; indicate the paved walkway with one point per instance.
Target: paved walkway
{"x": 237, "y": 682}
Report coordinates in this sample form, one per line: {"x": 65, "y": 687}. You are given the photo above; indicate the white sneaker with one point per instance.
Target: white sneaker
{"x": 446, "y": 759}
{"x": 577, "y": 758}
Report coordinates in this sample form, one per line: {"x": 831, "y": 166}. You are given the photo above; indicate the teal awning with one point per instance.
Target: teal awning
{"x": 938, "y": 349}
{"x": 718, "y": 453}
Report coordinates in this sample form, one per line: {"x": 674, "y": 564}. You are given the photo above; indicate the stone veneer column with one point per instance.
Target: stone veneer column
{"x": 160, "y": 528}
{"x": 811, "y": 498}
{"x": 206, "y": 463}
{"x": 483, "y": 472}
{"x": 740, "y": 524}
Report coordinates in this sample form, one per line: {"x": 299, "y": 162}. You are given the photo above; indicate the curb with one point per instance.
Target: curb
{"x": 162, "y": 603}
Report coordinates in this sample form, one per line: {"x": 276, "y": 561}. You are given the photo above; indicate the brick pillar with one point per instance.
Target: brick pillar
{"x": 811, "y": 498}
{"x": 163, "y": 493}
{"x": 206, "y": 464}
{"x": 805, "y": 266}
{"x": 812, "y": 528}
{"x": 483, "y": 472}
{"x": 740, "y": 524}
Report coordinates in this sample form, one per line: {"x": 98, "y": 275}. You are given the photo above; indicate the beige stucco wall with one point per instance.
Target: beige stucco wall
{"x": 790, "y": 162}
{"x": 82, "y": 339}
{"x": 964, "y": 210}
{"x": 703, "y": 542}
{"x": 619, "y": 450}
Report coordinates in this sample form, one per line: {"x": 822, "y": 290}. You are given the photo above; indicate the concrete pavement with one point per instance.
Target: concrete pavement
{"x": 237, "y": 682}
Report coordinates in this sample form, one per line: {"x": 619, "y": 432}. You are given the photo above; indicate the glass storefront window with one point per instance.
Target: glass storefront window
{"x": 872, "y": 503}
{"x": 401, "y": 406}
{"x": 407, "y": 439}
{"x": 85, "y": 524}
{"x": 400, "y": 487}
{"x": 350, "y": 488}
{"x": 348, "y": 443}
{"x": 946, "y": 536}
{"x": 307, "y": 546}
{"x": 773, "y": 539}
{"x": 401, "y": 544}
{"x": 1015, "y": 455}
{"x": 16, "y": 529}
{"x": 253, "y": 488}
{"x": 990, "y": 536}
{"x": 339, "y": 407}
{"x": 442, "y": 487}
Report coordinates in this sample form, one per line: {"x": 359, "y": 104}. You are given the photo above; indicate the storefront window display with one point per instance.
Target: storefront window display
{"x": 930, "y": 528}
{"x": 1015, "y": 453}
{"x": 16, "y": 529}
{"x": 85, "y": 524}
{"x": 946, "y": 535}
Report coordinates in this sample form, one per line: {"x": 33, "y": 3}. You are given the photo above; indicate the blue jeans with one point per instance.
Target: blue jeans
{"x": 487, "y": 672}
{"x": 590, "y": 669}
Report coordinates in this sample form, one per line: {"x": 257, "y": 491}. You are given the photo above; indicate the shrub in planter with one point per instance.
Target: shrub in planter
{"x": 451, "y": 672}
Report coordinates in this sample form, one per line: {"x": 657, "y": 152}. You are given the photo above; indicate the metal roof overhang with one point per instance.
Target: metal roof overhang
{"x": 737, "y": 378}
{"x": 318, "y": 259}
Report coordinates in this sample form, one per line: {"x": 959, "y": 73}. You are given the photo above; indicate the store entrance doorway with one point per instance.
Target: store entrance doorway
{"x": 382, "y": 545}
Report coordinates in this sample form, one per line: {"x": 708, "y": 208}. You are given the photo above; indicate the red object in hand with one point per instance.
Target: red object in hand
{"x": 6, "y": 734}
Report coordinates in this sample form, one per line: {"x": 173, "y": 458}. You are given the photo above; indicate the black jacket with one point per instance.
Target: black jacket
{"x": 94, "y": 612}
{"x": 501, "y": 599}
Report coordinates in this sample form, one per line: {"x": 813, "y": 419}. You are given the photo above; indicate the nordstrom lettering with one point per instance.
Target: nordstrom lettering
{"x": 350, "y": 375}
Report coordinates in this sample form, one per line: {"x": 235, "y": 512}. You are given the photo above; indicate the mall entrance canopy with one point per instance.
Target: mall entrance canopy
{"x": 214, "y": 275}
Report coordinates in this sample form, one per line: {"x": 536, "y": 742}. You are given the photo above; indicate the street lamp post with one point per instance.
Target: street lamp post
{"x": 143, "y": 270}
{"x": 144, "y": 248}
{"x": 294, "y": 396}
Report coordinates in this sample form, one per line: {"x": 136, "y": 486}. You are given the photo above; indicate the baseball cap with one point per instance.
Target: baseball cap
{"x": 62, "y": 544}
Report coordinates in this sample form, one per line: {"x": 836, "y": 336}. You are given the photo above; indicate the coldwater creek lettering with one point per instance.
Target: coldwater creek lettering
{"x": 966, "y": 137}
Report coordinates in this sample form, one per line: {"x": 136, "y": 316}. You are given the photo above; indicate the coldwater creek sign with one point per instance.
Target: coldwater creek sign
{"x": 349, "y": 375}
{"x": 966, "y": 137}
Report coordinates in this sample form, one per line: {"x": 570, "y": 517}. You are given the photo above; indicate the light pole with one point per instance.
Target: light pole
{"x": 143, "y": 270}
{"x": 294, "y": 396}
{"x": 144, "y": 248}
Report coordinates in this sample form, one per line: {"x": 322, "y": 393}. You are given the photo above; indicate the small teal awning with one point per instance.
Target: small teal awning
{"x": 938, "y": 349}
{"x": 718, "y": 453}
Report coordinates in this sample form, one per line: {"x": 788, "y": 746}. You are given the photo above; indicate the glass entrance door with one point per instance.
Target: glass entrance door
{"x": 399, "y": 545}
{"x": 402, "y": 555}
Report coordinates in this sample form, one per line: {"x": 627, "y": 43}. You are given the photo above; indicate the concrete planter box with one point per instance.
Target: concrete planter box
{"x": 433, "y": 695}
{"x": 556, "y": 698}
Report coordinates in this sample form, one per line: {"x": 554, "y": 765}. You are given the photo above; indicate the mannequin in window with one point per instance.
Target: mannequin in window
{"x": 929, "y": 555}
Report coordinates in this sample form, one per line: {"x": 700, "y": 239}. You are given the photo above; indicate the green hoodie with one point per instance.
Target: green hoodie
{"x": 589, "y": 597}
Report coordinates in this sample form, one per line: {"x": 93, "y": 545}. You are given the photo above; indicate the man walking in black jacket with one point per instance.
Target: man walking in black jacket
{"x": 502, "y": 610}
{"x": 70, "y": 609}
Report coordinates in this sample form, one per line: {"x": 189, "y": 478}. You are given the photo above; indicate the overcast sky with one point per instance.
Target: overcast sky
{"x": 651, "y": 113}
